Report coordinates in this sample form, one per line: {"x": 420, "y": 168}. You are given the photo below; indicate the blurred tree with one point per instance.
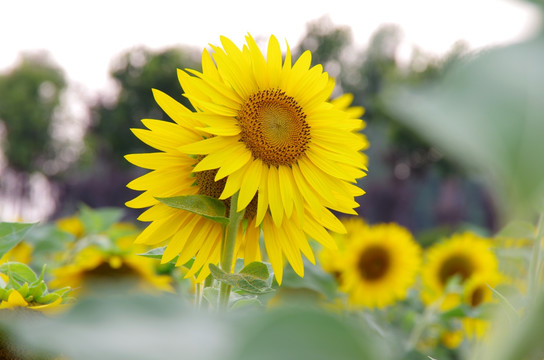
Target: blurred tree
{"x": 136, "y": 72}
{"x": 103, "y": 174}
{"x": 409, "y": 181}
{"x": 30, "y": 95}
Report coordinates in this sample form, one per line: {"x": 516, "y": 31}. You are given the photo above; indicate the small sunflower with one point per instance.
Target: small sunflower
{"x": 265, "y": 128}
{"x": 381, "y": 263}
{"x": 463, "y": 255}
{"x": 97, "y": 263}
{"x": 477, "y": 292}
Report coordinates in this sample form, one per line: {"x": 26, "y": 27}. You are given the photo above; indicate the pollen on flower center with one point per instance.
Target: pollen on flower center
{"x": 273, "y": 127}
{"x": 374, "y": 262}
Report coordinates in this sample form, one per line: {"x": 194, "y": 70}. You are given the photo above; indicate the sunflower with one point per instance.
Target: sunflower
{"x": 477, "y": 292}
{"x": 263, "y": 128}
{"x": 380, "y": 264}
{"x": 99, "y": 263}
{"x": 463, "y": 255}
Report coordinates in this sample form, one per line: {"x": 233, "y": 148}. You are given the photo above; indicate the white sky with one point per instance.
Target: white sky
{"x": 83, "y": 36}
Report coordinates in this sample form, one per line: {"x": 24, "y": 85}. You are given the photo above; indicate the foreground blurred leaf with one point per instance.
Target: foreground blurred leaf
{"x": 315, "y": 279}
{"x": 297, "y": 333}
{"x": 202, "y": 205}
{"x": 145, "y": 327}
{"x": 11, "y": 234}
{"x": 519, "y": 339}
{"x": 487, "y": 113}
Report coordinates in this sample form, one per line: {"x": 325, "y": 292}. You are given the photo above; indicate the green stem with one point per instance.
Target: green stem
{"x": 535, "y": 262}
{"x": 422, "y": 324}
{"x": 227, "y": 249}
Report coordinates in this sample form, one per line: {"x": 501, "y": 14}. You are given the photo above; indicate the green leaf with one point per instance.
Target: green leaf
{"x": 11, "y": 234}
{"x": 202, "y": 205}
{"x": 211, "y": 295}
{"x": 256, "y": 269}
{"x": 19, "y": 272}
{"x": 245, "y": 282}
{"x": 460, "y": 311}
{"x": 98, "y": 220}
{"x": 305, "y": 333}
{"x": 156, "y": 253}
{"x": 517, "y": 230}
{"x": 245, "y": 303}
{"x": 315, "y": 279}
{"x": 511, "y": 311}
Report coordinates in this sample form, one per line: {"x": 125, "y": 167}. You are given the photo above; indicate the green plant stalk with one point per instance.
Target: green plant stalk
{"x": 227, "y": 249}
{"x": 535, "y": 262}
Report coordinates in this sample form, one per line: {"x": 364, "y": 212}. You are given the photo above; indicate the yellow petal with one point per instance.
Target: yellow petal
{"x": 161, "y": 230}
{"x": 274, "y": 195}
{"x": 234, "y": 181}
{"x": 207, "y": 146}
{"x": 15, "y": 299}
{"x": 252, "y": 180}
{"x": 177, "y": 242}
{"x": 262, "y": 200}
{"x": 292, "y": 253}
{"x": 237, "y": 158}
{"x": 287, "y": 189}
{"x": 318, "y": 233}
{"x": 218, "y": 159}
{"x": 176, "y": 111}
{"x": 273, "y": 57}
{"x": 273, "y": 249}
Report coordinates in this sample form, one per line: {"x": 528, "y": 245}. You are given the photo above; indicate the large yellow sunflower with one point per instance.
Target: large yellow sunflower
{"x": 380, "y": 264}
{"x": 263, "y": 128}
{"x": 464, "y": 255}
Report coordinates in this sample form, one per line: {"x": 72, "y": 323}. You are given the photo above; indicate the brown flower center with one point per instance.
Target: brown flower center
{"x": 374, "y": 263}
{"x": 477, "y": 296}
{"x": 273, "y": 127}
{"x": 456, "y": 265}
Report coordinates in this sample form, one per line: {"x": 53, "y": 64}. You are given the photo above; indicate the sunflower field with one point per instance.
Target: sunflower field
{"x": 248, "y": 233}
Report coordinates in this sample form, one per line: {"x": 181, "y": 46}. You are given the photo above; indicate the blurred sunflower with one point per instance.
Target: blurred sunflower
{"x": 462, "y": 255}
{"x": 114, "y": 260}
{"x": 380, "y": 264}
{"x": 476, "y": 292}
{"x": 264, "y": 128}
{"x": 22, "y": 252}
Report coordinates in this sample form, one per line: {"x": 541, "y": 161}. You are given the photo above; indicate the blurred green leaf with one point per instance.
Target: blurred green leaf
{"x": 256, "y": 269}
{"x": 487, "y": 113}
{"x": 155, "y": 253}
{"x": 19, "y": 272}
{"x": 519, "y": 337}
{"x": 11, "y": 234}
{"x": 246, "y": 303}
{"x": 244, "y": 281}
{"x": 202, "y": 205}
{"x": 211, "y": 295}
{"x": 98, "y": 220}
{"x": 517, "y": 230}
{"x": 302, "y": 333}
{"x": 315, "y": 279}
